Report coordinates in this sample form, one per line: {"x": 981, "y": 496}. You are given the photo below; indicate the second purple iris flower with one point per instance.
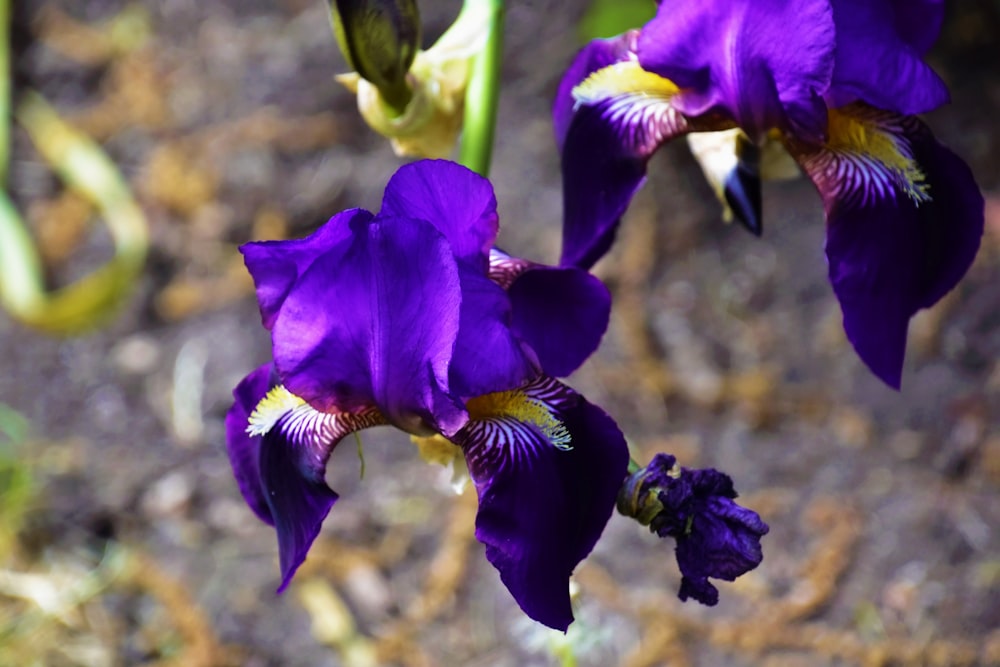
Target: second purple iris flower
{"x": 411, "y": 318}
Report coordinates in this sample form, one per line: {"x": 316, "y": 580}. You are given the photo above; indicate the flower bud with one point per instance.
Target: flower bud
{"x": 379, "y": 39}
{"x": 429, "y": 123}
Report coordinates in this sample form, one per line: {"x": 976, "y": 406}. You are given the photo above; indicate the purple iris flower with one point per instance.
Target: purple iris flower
{"x": 409, "y": 318}
{"x": 837, "y": 84}
{"x": 715, "y": 537}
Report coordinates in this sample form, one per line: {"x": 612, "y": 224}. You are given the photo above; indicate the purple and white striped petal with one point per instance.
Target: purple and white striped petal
{"x": 279, "y": 454}
{"x": 904, "y": 222}
{"x": 244, "y": 450}
{"x": 596, "y": 55}
{"x": 547, "y": 466}
{"x": 623, "y": 115}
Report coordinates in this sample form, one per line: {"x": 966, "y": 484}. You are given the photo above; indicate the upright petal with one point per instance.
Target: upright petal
{"x": 276, "y": 265}
{"x": 377, "y": 327}
{"x": 560, "y": 312}
{"x": 918, "y": 22}
{"x": 624, "y": 114}
{"x": 879, "y": 55}
{"x": 762, "y": 63}
{"x": 547, "y": 466}
{"x": 904, "y": 222}
{"x": 488, "y": 355}
{"x": 457, "y": 201}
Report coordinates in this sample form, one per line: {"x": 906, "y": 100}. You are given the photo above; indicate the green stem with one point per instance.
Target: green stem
{"x": 633, "y": 466}
{"x": 483, "y": 94}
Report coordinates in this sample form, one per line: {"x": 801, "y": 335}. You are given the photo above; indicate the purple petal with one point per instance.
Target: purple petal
{"x": 281, "y": 473}
{"x": 562, "y": 313}
{"x": 488, "y": 356}
{"x": 599, "y": 181}
{"x": 762, "y": 63}
{"x": 244, "y": 450}
{"x": 376, "y": 327}
{"x": 622, "y": 114}
{"x": 457, "y": 201}
{"x": 604, "y": 158}
{"x": 276, "y": 265}
{"x": 879, "y": 56}
{"x": 543, "y": 501}
{"x": 890, "y": 255}
{"x": 293, "y": 458}
{"x": 596, "y": 55}
{"x": 918, "y": 22}
{"x": 297, "y": 498}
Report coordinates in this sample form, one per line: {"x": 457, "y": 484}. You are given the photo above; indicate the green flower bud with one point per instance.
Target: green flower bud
{"x": 430, "y": 121}
{"x": 379, "y": 39}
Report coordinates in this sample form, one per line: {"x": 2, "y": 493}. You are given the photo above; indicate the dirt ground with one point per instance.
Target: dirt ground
{"x": 134, "y": 547}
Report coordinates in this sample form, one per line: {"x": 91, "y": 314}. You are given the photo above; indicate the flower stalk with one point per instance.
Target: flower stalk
{"x": 483, "y": 94}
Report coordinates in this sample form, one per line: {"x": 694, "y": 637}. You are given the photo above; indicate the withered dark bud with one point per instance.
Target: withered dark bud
{"x": 716, "y": 538}
{"x": 379, "y": 39}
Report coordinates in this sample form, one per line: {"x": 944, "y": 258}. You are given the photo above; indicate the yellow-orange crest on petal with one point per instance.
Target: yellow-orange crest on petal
{"x": 278, "y": 402}
{"x": 626, "y": 78}
{"x": 872, "y": 142}
{"x": 519, "y": 406}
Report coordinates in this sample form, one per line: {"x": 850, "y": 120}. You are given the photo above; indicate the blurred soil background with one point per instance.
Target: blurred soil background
{"x": 123, "y": 538}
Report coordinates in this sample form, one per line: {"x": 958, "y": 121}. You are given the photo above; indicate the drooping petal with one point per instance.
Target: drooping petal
{"x": 276, "y": 265}
{"x": 598, "y": 54}
{"x": 904, "y": 222}
{"x": 488, "y": 355}
{"x": 293, "y": 442}
{"x": 547, "y": 465}
{"x": 457, "y": 201}
{"x": 377, "y": 327}
{"x": 879, "y": 57}
{"x": 624, "y": 114}
{"x": 244, "y": 449}
{"x": 762, "y": 63}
